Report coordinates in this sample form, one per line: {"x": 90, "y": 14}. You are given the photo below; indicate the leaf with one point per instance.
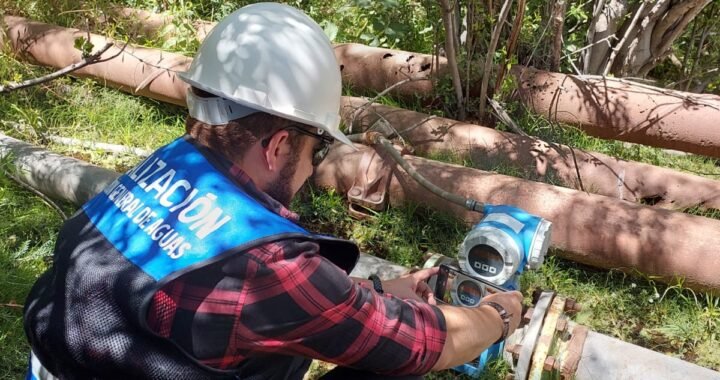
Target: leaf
{"x": 330, "y": 29}
{"x": 79, "y": 43}
{"x": 84, "y": 45}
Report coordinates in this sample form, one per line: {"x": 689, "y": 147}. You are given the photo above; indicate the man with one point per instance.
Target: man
{"x": 191, "y": 266}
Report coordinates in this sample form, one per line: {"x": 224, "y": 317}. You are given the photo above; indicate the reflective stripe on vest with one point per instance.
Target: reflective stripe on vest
{"x": 176, "y": 210}
{"x": 36, "y": 371}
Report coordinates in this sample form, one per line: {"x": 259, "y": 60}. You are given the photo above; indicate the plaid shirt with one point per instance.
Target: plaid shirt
{"x": 283, "y": 298}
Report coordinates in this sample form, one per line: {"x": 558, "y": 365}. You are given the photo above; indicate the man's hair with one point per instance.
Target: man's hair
{"x": 232, "y": 140}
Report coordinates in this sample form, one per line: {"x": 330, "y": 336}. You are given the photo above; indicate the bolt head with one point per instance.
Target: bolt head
{"x": 572, "y": 307}
{"x": 549, "y": 363}
{"x": 528, "y": 315}
{"x": 562, "y": 325}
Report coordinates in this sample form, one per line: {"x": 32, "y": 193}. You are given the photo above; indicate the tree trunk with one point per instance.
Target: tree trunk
{"x": 448, "y": 15}
{"x": 558, "y": 23}
{"x": 638, "y": 40}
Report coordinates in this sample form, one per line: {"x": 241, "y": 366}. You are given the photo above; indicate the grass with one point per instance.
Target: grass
{"x": 672, "y": 320}
{"x": 28, "y": 229}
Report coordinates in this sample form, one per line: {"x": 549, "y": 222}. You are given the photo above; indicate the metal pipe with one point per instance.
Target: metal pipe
{"x": 374, "y": 138}
{"x": 488, "y": 148}
{"x": 137, "y": 72}
{"x": 590, "y": 229}
{"x": 609, "y": 358}
{"x": 587, "y": 228}
{"x": 614, "y": 109}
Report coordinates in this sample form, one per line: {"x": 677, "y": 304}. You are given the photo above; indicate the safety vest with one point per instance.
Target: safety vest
{"x": 175, "y": 212}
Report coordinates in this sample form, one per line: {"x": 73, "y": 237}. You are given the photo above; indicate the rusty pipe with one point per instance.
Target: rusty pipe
{"x": 488, "y": 148}
{"x": 53, "y": 46}
{"x": 365, "y": 68}
{"x": 140, "y": 71}
{"x": 633, "y": 238}
{"x": 76, "y": 181}
{"x": 375, "y": 138}
{"x": 621, "y": 111}
{"x": 603, "y": 232}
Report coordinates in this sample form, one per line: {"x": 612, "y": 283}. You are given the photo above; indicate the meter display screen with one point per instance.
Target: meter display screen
{"x": 457, "y": 288}
{"x": 485, "y": 260}
{"x": 469, "y": 293}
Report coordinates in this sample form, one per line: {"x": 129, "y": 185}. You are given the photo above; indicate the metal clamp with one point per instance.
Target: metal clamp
{"x": 369, "y": 190}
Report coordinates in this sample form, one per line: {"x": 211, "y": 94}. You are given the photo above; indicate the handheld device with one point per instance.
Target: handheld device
{"x": 455, "y": 287}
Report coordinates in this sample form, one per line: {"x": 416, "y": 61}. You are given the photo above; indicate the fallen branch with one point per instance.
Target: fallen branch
{"x": 89, "y": 60}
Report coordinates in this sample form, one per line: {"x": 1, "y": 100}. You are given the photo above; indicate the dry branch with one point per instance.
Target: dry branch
{"x": 89, "y": 60}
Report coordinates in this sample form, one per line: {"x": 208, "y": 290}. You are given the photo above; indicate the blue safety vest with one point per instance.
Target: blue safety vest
{"x": 174, "y": 213}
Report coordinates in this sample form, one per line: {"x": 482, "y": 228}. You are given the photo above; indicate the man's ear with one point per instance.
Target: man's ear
{"x": 277, "y": 146}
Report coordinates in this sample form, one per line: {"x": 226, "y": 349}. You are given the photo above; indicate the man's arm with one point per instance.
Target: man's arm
{"x": 470, "y": 331}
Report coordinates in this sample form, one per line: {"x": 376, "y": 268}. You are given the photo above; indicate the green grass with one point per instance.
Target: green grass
{"x": 28, "y": 229}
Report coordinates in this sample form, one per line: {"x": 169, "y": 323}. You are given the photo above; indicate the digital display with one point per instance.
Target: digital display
{"x": 469, "y": 293}
{"x": 457, "y": 288}
{"x": 485, "y": 260}
{"x": 454, "y": 288}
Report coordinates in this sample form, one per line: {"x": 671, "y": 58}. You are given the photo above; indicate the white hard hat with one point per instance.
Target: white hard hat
{"x": 272, "y": 58}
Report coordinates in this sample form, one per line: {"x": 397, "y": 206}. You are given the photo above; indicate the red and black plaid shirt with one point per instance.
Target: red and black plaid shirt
{"x": 283, "y": 298}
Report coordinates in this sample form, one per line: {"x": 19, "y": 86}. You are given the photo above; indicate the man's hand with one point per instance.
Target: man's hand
{"x": 413, "y": 286}
{"x": 512, "y": 302}
{"x": 470, "y": 331}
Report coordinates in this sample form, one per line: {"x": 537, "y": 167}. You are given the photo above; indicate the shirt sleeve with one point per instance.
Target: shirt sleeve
{"x": 296, "y": 302}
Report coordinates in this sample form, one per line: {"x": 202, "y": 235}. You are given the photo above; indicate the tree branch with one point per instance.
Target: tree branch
{"x": 558, "y": 21}
{"x": 447, "y": 15}
{"x": 514, "y": 34}
{"x": 630, "y": 29}
{"x": 94, "y": 58}
{"x": 491, "y": 54}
